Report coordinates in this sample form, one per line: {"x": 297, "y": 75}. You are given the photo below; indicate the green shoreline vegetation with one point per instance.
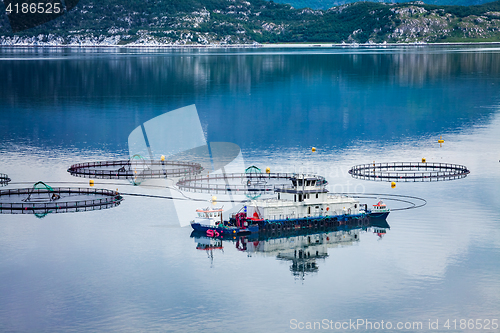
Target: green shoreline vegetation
{"x": 226, "y": 22}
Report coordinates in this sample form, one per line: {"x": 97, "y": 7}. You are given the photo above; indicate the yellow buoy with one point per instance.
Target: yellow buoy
{"x": 91, "y": 182}
{"x": 268, "y": 170}
{"x": 214, "y": 198}
{"x": 441, "y": 141}
{"x": 423, "y": 160}
{"x": 393, "y": 184}
{"x": 163, "y": 158}
{"x": 313, "y": 149}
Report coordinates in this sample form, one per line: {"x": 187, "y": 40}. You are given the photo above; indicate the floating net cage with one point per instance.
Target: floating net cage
{"x": 42, "y": 199}
{"x": 240, "y": 183}
{"x": 135, "y": 168}
{"x": 4, "y": 179}
{"x": 409, "y": 171}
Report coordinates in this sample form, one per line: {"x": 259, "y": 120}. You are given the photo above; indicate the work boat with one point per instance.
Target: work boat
{"x": 379, "y": 211}
{"x": 209, "y": 221}
{"x": 304, "y": 204}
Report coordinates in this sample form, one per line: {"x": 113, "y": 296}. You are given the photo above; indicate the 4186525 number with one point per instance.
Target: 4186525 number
{"x": 471, "y": 324}
{"x": 33, "y": 8}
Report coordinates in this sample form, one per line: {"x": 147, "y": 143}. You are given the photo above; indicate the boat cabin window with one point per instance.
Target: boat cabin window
{"x": 300, "y": 197}
{"x": 294, "y": 182}
{"x": 317, "y": 195}
{"x": 355, "y": 206}
{"x": 295, "y": 198}
{"x": 299, "y": 182}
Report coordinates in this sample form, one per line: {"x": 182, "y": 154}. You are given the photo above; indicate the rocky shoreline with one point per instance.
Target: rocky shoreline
{"x": 235, "y": 46}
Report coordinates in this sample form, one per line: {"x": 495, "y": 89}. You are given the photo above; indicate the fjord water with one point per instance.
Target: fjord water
{"x": 132, "y": 268}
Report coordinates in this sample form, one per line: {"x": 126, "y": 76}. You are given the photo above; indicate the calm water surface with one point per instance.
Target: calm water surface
{"x": 132, "y": 268}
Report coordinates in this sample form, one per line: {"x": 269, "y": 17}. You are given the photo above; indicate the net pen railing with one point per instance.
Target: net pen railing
{"x": 409, "y": 171}
{"x": 127, "y": 169}
{"x": 203, "y": 183}
{"x": 109, "y": 198}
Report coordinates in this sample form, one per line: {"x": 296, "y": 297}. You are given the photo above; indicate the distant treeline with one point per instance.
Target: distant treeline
{"x": 252, "y": 20}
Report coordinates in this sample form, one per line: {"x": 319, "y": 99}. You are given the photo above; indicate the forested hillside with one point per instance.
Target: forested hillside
{"x": 181, "y": 22}
{"x": 326, "y": 4}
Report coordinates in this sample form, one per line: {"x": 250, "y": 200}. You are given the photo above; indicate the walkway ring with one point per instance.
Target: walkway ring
{"x": 237, "y": 182}
{"x": 409, "y": 171}
{"x": 14, "y": 201}
{"x": 127, "y": 169}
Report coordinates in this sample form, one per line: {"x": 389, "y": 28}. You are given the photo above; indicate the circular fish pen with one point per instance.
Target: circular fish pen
{"x": 409, "y": 171}
{"x": 4, "y": 179}
{"x": 240, "y": 183}
{"x": 134, "y": 168}
{"x": 42, "y": 199}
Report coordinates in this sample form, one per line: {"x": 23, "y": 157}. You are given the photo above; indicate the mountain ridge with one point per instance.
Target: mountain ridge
{"x": 226, "y": 22}
{"x": 327, "y": 4}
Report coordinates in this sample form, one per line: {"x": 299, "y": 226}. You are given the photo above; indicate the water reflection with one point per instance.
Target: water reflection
{"x": 4, "y": 179}
{"x": 303, "y": 249}
{"x": 111, "y": 76}
{"x": 371, "y": 94}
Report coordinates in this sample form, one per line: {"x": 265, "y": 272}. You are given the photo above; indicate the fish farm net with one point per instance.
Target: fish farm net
{"x": 4, "y": 179}
{"x": 134, "y": 169}
{"x": 240, "y": 183}
{"x": 42, "y": 199}
{"x": 409, "y": 171}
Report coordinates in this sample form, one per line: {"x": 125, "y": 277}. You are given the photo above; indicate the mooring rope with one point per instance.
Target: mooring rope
{"x": 383, "y": 196}
{"x": 379, "y": 196}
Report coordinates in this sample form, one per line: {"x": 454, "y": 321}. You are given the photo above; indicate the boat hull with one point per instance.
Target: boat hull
{"x": 378, "y": 215}
{"x": 314, "y": 222}
{"x": 255, "y": 226}
{"x": 212, "y": 231}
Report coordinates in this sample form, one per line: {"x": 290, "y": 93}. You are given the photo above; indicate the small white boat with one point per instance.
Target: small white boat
{"x": 379, "y": 211}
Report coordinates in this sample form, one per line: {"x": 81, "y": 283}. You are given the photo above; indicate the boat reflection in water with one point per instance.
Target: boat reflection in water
{"x": 303, "y": 248}
{"x": 208, "y": 244}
